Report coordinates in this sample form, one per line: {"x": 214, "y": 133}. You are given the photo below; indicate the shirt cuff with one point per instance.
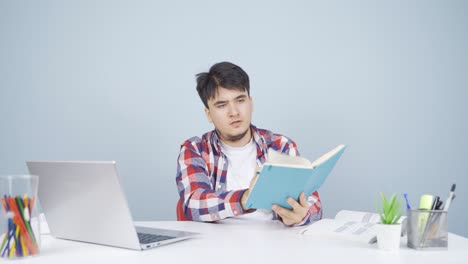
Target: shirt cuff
{"x": 238, "y": 205}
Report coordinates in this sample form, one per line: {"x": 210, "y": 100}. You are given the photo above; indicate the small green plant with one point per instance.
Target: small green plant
{"x": 389, "y": 211}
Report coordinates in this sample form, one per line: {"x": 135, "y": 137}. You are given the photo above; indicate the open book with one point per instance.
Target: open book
{"x": 284, "y": 176}
{"x": 349, "y": 225}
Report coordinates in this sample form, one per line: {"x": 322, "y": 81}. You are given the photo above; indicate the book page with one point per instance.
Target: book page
{"x": 366, "y": 217}
{"x": 339, "y": 229}
{"x": 275, "y": 157}
{"x": 327, "y": 155}
{"x": 357, "y": 216}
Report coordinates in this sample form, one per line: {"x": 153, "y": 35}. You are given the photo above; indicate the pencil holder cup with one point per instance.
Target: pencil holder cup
{"x": 19, "y": 221}
{"x": 427, "y": 229}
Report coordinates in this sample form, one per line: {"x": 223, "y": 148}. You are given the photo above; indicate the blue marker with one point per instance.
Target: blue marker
{"x": 408, "y": 206}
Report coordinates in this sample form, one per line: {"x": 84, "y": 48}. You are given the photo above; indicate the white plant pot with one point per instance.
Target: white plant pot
{"x": 388, "y": 236}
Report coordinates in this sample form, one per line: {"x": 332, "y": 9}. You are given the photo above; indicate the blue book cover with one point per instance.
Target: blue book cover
{"x": 284, "y": 176}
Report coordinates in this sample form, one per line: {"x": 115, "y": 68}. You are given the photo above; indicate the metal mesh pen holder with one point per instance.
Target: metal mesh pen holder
{"x": 427, "y": 229}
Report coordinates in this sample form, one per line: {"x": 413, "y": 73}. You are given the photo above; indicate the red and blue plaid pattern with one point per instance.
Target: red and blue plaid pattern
{"x": 202, "y": 170}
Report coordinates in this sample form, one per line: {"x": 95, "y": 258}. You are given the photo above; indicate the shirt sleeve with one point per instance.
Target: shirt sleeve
{"x": 200, "y": 201}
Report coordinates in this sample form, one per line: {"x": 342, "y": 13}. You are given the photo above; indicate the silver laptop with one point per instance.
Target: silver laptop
{"x": 83, "y": 201}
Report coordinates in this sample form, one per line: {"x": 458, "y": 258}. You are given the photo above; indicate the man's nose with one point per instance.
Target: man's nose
{"x": 233, "y": 111}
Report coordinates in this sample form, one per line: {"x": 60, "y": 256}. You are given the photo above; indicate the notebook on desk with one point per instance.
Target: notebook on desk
{"x": 83, "y": 201}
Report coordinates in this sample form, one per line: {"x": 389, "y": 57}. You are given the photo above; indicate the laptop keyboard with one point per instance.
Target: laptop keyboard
{"x": 150, "y": 238}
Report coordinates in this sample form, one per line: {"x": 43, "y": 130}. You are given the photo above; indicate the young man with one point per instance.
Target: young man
{"x": 215, "y": 172}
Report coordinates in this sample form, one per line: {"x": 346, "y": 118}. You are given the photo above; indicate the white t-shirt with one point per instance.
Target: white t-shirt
{"x": 242, "y": 162}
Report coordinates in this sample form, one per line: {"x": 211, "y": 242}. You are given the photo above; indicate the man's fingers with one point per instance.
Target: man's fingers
{"x": 303, "y": 201}
{"x": 295, "y": 205}
{"x": 287, "y": 216}
{"x": 283, "y": 212}
{"x": 294, "y": 216}
{"x": 288, "y": 221}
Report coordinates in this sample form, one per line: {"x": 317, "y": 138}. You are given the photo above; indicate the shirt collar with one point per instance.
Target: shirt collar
{"x": 257, "y": 138}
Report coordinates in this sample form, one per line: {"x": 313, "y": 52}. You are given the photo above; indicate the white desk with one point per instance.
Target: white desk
{"x": 268, "y": 242}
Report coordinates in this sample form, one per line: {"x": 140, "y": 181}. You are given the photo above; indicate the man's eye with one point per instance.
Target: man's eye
{"x": 221, "y": 105}
{"x": 241, "y": 100}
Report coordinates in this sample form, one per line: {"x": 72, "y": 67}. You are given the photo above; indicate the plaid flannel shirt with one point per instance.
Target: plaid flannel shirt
{"x": 202, "y": 175}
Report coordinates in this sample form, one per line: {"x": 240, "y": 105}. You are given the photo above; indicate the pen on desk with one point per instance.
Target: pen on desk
{"x": 436, "y": 221}
{"x": 427, "y": 220}
{"x": 450, "y": 197}
{"x": 408, "y": 206}
{"x": 432, "y": 216}
{"x": 440, "y": 222}
{"x": 424, "y": 204}
{"x": 435, "y": 202}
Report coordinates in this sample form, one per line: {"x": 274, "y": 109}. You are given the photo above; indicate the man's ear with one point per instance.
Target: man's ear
{"x": 208, "y": 115}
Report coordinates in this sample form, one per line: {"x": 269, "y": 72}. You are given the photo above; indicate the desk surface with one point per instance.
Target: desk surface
{"x": 267, "y": 242}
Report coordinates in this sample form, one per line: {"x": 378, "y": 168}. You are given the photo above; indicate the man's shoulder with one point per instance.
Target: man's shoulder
{"x": 192, "y": 141}
{"x": 276, "y": 141}
{"x": 272, "y": 137}
{"x": 198, "y": 143}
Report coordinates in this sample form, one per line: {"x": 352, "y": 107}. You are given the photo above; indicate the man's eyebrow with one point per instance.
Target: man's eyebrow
{"x": 242, "y": 96}
{"x": 219, "y": 102}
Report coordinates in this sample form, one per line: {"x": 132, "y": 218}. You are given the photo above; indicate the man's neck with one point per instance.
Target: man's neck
{"x": 241, "y": 142}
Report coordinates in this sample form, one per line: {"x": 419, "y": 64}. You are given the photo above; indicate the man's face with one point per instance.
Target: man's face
{"x": 231, "y": 112}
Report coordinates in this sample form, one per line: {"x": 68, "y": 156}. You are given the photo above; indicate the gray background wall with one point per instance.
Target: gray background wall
{"x": 114, "y": 80}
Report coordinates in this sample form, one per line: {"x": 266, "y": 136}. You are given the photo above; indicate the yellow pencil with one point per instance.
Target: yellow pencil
{"x": 17, "y": 231}
{"x": 12, "y": 248}
{"x": 23, "y": 247}
{"x": 26, "y": 201}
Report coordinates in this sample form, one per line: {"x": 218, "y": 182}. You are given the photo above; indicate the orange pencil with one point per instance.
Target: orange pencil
{"x": 4, "y": 205}
{"x": 31, "y": 204}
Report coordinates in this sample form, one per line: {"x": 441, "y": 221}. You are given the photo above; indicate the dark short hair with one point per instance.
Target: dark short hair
{"x": 224, "y": 74}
